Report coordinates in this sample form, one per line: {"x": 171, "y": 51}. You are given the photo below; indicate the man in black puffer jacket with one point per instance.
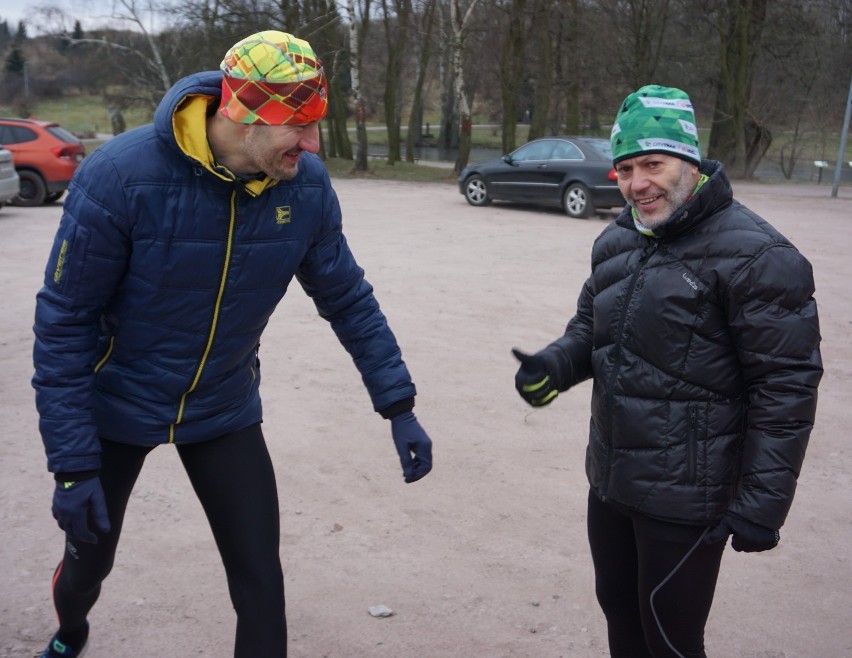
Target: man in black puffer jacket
{"x": 699, "y": 329}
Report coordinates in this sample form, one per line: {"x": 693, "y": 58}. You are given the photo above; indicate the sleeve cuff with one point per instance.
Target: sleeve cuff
{"x": 397, "y": 408}
{"x": 75, "y": 477}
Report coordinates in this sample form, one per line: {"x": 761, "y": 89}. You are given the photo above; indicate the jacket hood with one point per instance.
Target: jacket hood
{"x": 180, "y": 120}
{"x": 715, "y": 195}
{"x": 207, "y": 84}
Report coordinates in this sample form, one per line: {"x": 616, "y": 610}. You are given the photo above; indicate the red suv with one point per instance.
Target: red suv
{"x": 46, "y": 156}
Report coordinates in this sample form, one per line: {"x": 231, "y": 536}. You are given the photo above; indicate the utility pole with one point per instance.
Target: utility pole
{"x": 838, "y": 169}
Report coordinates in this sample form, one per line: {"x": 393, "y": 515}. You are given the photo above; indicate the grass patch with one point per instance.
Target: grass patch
{"x": 400, "y": 171}
{"x": 81, "y": 115}
{"x": 481, "y": 136}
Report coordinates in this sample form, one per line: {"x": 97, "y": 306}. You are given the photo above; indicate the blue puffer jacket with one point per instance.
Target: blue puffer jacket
{"x": 164, "y": 273}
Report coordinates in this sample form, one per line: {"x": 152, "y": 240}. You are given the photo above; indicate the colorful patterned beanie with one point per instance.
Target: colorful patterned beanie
{"x": 655, "y": 119}
{"x": 273, "y": 78}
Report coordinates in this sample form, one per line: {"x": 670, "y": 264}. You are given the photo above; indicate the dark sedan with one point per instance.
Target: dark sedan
{"x": 572, "y": 172}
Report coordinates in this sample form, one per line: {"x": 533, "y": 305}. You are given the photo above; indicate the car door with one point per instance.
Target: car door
{"x": 523, "y": 174}
{"x": 20, "y": 140}
{"x": 565, "y": 158}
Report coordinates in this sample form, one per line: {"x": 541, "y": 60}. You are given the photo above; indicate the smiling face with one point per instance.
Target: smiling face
{"x": 275, "y": 150}
{"x": 656, "y": 185}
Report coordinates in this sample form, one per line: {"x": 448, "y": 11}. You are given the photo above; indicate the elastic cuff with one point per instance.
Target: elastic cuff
{"x": 397, "y": 408}
{"x": 75, "y": 477}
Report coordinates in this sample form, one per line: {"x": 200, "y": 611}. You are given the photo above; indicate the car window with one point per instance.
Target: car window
{"x": 602, "y": 146}
{"x": 534, "y": 151}
{"x": 62, "y": 134}
{"x": 566, "y": 151}
{"x": 16, "y": 135}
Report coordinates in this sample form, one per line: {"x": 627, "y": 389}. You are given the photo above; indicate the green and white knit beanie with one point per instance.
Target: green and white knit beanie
{"x": 655, "y": 119}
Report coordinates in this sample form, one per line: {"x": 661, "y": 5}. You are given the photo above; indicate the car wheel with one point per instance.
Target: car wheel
{"x": 577, "y": 201}
{"x": 476, "y": 191}
{"x": 53, "y": 197}
{"x": 33, "y": 190}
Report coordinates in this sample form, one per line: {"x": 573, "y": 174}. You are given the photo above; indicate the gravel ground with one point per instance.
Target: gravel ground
{"x": 487, "y": 557}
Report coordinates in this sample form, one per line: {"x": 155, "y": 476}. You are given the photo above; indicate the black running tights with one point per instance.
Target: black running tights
{"x": 654, "y": 581}
{"x": 233, "y": 478}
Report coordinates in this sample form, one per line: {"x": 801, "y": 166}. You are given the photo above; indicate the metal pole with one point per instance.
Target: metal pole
{"x": 843, "y": 135}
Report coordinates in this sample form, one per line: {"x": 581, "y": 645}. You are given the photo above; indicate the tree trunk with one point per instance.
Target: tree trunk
{"x": 459, "y": 26}
{"x": 339, "y": 144}
{"x": 544, "y": 78}
{"x": 395, "y": 37}
{"x": 512, "y": 72}
{"x": 415, "y": 117}
{"x": 758, "y": 141}
{"x": 448, "y": 132}
{"x": 325, "y": 38}
{"x": 740, "y": 23}
{"x": 568, "y": 90}
{"x": 357, "y": 32}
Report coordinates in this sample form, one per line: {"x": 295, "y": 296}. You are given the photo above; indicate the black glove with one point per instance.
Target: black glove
{"x": 410, "y": 438}
{"x": 533, "y": 381}
{"x": 74, "y": 503}
{"x": 748, "y": 537}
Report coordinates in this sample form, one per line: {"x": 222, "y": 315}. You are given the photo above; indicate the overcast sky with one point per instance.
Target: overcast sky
{"x": 90, "y": 13}
{"x": 13, "y": 11}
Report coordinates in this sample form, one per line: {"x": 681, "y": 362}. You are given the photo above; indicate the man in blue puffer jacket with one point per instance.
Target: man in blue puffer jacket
{"x": 178, "y": 240}
{"x": 700, "y": 332}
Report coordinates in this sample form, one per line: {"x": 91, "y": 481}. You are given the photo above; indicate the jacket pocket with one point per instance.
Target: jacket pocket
{"x": 692, "y": 445}
{"x": 67, "y": 258}
{"x": 696, "y": 466}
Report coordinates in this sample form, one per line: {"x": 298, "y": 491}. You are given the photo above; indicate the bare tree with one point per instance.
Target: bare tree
{"x": 776, "y": 72}
{"x": 396, "y": 38}
{"x": 460, "y": 20}
{"x": 135, "y": 14}
{"x": 138, "y": 53}
{"x": 740, "y": 23}
{"x": 415, "y": 117}
{"x": 448, "y": 129}
{"x": 512, "y": 64}
{"x": 513, "y": 81}
{"x": 358, "y": 24}
{"x": 542, "y": 77}
{"x": 792, "y": 75}
{"x": 637, "y": 29}
{"x": 566, "y": 107}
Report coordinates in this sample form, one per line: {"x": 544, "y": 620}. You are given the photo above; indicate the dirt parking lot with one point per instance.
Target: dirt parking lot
{"x": 485, "y": 558}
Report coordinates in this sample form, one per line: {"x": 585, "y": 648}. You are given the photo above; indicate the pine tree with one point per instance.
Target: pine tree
{"x": 15, "y": 62}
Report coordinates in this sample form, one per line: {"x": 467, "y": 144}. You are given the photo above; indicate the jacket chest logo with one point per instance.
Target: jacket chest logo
{"x": 282, "y": 215}
{"x": 691, "y": 283}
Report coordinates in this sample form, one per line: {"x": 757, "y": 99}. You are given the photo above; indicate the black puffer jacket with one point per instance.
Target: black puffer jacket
{"x": 703, "y": 343}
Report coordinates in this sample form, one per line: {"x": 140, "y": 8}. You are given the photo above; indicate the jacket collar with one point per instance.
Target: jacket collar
{"x": 181, "y": 119}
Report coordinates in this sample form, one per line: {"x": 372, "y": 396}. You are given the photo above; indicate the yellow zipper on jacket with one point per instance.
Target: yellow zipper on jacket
{"x": 105, "y": 357}
{"x": 212, "y": 334}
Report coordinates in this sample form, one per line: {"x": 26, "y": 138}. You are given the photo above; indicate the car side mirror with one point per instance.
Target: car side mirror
{"x": 508, "y": 160}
